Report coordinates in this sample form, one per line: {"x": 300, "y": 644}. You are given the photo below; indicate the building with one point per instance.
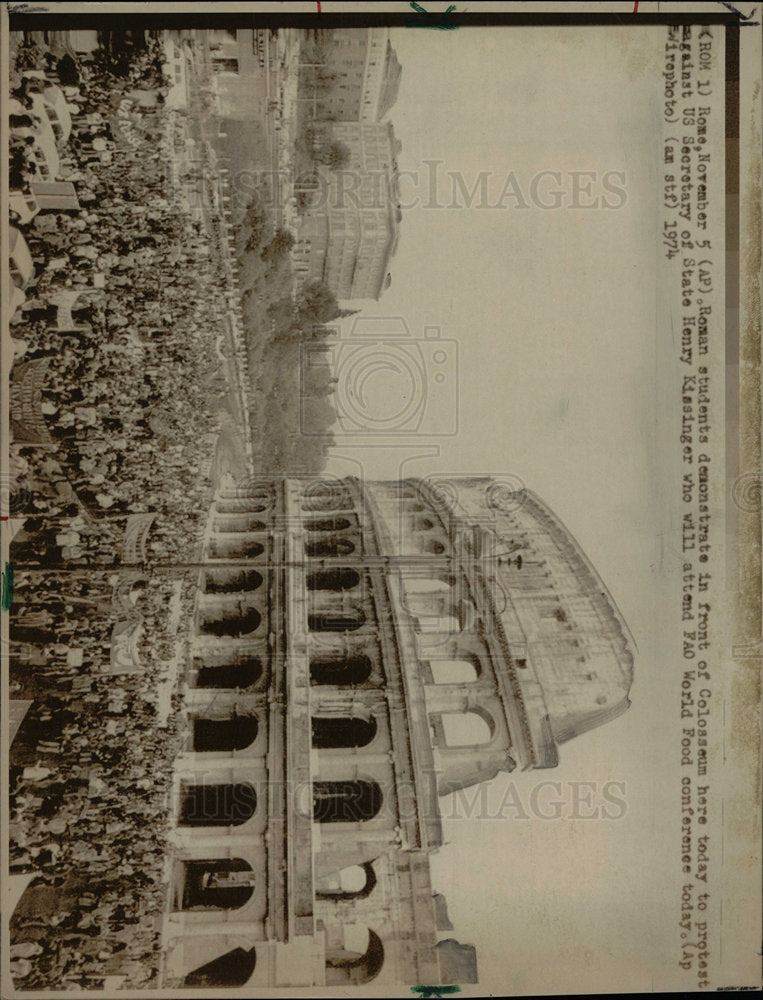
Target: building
{"x": 235, "y": 58}
{"x": 361, "y": 650}
{"x": 359, "y": 76}
{"x": 349, "y": 230}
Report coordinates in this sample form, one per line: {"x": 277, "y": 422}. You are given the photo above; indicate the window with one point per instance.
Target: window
{"x": 345, "y": 801}
{"x": 327, "y": 496}
{"x": 334, "y": 732}
{"x": 232, "y": 621}
{"x": 240, "y": 506}
{"x": 336, "y": 621}
{"x": 217, "y": 805}
{"x": 329, "y": 547}
{"x": 225, "y": 884}
{"x": 358, "y": 961}
{"x": 333, "y": 579}
{"x": 230, "y": 523}
{"x": 221, "y": 581}
{"x": 453, "y": 671}
{"x": 236, "y": 733}
{"x": 353, "y": 882}
{"x": 233, "y": 548}
{"x": 466, "y": 729}
{"x": 229, "y": 970}
{"x": 340, "y": 670}
{"x": 241, "y": 674}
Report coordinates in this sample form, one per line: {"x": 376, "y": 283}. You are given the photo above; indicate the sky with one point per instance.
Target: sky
{"x": 548, "y": 321}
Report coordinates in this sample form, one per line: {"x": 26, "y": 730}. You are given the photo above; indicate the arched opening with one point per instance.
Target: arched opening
{"x": 234, "y": 548}
{"x": 327, "y": 496}
{"x": 353, "y": 882}
{"x": 442, "y": 624}
{"x": 232, "y": 621}
{"x": 225, "y": 884}
{"x": 345, "y": 801}
{"x": 221, "y": 581}
{"x": 417, "y": 585}
{"x": 358, "y": 961}
{"x": 340, "y": 670}
{"x": 466, "y": 729}
{"x": 229, "y": 506}
{"x": 230, "y": 675}
{"x": 336, "y": 621}
{"x": 236, "y": 523}
{"x": 453, "y": 671}
{"x": 433, "y": 546}
{"x": 423, "y": 523}
{"x": 333, "y": 579}
{"x": 232, "y": 969}
{"x": 224, "y": 734}
{"x": 328, "y": 524}
{"x": 329, "y": 547}
{"x": 330, "y": 732}
{"x": 217, "y": 805}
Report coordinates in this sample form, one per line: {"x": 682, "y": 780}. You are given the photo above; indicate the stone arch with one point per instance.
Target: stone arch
{"x": 329, "y": 547}
{"x": 432, "y": 545}
{"x": 457, "y": 671}
{"x": 228, "y": 581}
{"x": 212, "y": 735}
{"x": 439, "y": 583}
{"x": 341, "y": 620}
{"x": 340, "y": 669}
{"x": 217, "y": 805}
{"x": 234, "y": 548}
{"x": 335, "y": 732}
{"x": 236, "y": 523}
{"x": 327, "y": 496}
{"x": 329, "y": 524}
{"x": 237, "y": 619}
{"x": 352, "y": 882}
{"x": 338, "y": 578}
{"x": 474, "y": 727}
{"x": 232, "y": 969}
{"x": 354, "y": 801}
{"x": 239, "y": 673}
{"x": 348, "y": 966}
{"x": 240, "y": 506}
{"x": 217, "y": 884}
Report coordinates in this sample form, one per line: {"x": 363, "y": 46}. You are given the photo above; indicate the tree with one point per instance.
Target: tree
{"x": 282, "y": 315}
{"x": 335, "y": 155}
{"x": 279, "y": 246}
{"x": 317, "y": 304}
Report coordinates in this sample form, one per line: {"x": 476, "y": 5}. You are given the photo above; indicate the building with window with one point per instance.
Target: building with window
{"x": 359, "y": 75}
{"x": 349, "y": 230}
{"x": 360, "y": 651}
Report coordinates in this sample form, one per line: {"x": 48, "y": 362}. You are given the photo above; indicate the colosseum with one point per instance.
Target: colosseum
{"x": 359, "y": 651}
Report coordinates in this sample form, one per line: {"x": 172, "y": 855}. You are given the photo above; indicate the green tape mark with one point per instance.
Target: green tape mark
{"x": 432, "y": 19}
{"x": 435, "y": 991}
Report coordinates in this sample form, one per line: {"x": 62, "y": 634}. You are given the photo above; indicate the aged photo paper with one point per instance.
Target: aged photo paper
{"x": 380, "y": 499}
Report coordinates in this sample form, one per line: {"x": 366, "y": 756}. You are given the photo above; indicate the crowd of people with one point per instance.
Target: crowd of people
{"x": 90, "y": 777}
{"x": 125, "y": 309}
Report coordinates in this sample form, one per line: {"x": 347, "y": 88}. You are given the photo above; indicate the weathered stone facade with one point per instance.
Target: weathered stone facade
{"x": 361, "y": 650}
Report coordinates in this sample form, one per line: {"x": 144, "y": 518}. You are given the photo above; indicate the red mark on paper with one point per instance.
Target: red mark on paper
{"x": 318, "y": 5}
{"x": 635, "y": 7}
